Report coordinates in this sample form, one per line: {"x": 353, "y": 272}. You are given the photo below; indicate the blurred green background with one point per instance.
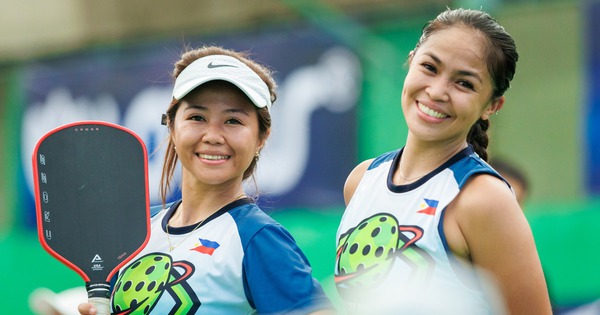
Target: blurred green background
{"x": 540, "y": 127}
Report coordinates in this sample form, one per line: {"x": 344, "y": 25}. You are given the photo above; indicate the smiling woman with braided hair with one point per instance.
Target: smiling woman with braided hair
{"x": 421, "y": 218}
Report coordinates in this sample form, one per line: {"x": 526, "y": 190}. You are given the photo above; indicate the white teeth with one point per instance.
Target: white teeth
{"x": 431, "y": 112}
{"x": 213, "y": 157}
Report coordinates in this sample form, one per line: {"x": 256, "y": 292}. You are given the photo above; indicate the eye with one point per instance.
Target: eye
{"x": 233, "y": 121}
{"x": 196, "y": 117}
{"x": 466, "y": 84}
{"x": 429, "y": 67}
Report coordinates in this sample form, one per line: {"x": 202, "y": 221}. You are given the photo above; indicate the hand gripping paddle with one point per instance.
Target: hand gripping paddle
{"x": 92, "y": 204}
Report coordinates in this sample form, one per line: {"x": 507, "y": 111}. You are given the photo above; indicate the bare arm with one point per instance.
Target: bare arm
{"x": 497, "y": 238}
{"x": 354, "y": 178}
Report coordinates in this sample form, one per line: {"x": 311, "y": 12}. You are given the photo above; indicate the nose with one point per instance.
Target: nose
{"x": 213, "y": 133}
{"x": 438, "y": 89}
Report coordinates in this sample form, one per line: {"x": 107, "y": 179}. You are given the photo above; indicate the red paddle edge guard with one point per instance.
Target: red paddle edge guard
{"x": 38, "y": 204}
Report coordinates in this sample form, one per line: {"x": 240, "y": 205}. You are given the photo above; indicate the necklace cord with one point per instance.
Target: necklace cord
{"x": 406, "y": 178}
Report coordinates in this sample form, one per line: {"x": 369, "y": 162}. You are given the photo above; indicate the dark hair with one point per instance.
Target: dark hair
{"x": 264, "y": 117}
{"x": 502, "y": 57}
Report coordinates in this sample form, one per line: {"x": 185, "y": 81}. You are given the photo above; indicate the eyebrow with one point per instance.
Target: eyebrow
{"x": 201, "y": 107}
{"x": 460, "y": 72}
{"x": 195, "y": 106}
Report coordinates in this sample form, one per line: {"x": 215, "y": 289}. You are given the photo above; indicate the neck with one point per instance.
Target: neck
{"x": 419, "y": 160}
{"x": 199, "y": 203}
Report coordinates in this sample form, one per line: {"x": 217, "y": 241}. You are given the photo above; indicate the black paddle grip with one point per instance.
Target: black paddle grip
{"x": 98, "y": 289}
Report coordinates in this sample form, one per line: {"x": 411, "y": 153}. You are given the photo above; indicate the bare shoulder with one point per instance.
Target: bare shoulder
{"x": 483, "y": 199}
{"x": 487, "y": 197}
{"x": 354, "y": 178}
{"x": 486, "y": 207}
{"x": 494, "y": 234}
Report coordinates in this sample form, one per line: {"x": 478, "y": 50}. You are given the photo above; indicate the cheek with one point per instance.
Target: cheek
{"x": 176, "y": 137}
{"x": 408, "y": 83}
{"x": 407, "y": 89}
{"x": 245, "y": 141}
{"x": 182, "y": 138}
{"x": 413, "y": 84}
{"x": 468, "y": 105}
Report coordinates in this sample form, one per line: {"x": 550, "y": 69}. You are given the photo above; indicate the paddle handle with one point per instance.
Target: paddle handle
{"x": 99, "y": 296}
{"x": 102, "y": 305}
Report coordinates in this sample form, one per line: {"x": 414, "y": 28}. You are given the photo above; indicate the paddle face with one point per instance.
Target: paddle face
{"x": 92, "y": 201}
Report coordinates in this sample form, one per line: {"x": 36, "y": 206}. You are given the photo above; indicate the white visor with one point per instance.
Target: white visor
{"x": 226, "y": 68}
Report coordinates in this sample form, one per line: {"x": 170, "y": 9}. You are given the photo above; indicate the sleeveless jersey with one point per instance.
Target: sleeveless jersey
{"x": 238, "y": 261}
{"x": 392, "y": 254}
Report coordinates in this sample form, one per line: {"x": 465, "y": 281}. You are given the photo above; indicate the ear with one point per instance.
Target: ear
{"x": 410, "y": 57}
{"x": 494, "y": 106}
{"x": 263, "y": 141}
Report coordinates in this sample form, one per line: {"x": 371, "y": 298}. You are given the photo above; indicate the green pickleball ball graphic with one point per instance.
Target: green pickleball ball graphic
{"x": 146, "y": 277}
{"x": 368, "y": 251}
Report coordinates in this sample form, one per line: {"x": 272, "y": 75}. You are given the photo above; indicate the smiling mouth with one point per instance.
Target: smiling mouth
{"x": 432, "y": 113}
{"x": 213, "y": 157}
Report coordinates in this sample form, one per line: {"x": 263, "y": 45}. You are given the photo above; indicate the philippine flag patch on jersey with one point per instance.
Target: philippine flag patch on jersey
{"x": 429, "y": 206}
{"x": 206, "y": 246}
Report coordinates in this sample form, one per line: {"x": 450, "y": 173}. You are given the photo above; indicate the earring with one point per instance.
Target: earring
{"x": 256, "y": 154}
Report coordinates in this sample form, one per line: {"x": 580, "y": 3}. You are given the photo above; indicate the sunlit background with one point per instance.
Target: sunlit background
{"x": 340, "y": 68}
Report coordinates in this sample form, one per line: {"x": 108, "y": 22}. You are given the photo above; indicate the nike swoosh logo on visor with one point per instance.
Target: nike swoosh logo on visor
{"x": 211, "y": 66}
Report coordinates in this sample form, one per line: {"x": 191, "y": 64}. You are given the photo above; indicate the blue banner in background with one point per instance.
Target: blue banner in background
{"x": 591, "y": 169}
{"x": 312, "y": 146}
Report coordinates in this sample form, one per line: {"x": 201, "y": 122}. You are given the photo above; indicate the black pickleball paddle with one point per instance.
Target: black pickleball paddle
{"x": 92, "y": 203}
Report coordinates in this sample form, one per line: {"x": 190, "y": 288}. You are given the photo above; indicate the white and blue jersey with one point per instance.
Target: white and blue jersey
{"x": 392, "y": 253}
{"x": 238, "y": 261}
